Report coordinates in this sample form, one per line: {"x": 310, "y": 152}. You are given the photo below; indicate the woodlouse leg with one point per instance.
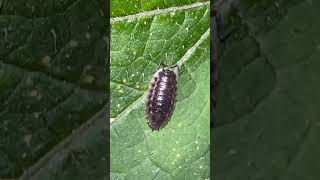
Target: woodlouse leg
{"x": 173, "y": 66}
{"x": 180, "y": 73}
{"x": 163, "y": 64}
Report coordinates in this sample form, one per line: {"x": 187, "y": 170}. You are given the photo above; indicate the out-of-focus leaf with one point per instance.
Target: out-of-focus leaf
{"x": 52, "y": 57}
{"x": 267, "y": 109}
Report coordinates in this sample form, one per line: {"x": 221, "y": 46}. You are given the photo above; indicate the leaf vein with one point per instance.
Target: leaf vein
{"x": 158, "y": 11}
{"x": 187, "y": 56}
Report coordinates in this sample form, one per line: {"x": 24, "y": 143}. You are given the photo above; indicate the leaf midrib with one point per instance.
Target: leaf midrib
{"x": 158, "y": 12}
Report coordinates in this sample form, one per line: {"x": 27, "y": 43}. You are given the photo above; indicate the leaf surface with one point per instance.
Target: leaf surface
{"x": 138, "y": 44}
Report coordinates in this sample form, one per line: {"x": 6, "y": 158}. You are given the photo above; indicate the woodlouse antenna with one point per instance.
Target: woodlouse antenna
{"x": 163, "y": 64}
{"x": 173, "y": 66}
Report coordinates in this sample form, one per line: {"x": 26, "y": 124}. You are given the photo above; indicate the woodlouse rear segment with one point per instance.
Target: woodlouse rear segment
{"x": 161, "y": 98}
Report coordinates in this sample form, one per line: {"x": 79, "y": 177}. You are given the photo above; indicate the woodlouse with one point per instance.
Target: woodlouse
{"x": 161, "y": 97}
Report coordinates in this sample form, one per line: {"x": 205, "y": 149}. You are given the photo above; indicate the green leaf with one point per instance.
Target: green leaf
{"x": 268, "y": 125}
{"x": 52, "y": 57}
{"x": 139, "y": 42}
{"x": 123, "y": 8}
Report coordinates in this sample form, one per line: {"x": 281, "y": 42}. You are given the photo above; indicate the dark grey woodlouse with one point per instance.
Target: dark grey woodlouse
{"x": 161, "y": 97}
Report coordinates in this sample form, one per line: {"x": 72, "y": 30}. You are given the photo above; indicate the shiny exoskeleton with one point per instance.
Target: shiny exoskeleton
{"x": 161, "y": 98}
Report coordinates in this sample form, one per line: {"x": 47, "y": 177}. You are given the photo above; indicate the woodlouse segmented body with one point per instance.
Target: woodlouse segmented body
{"x": 161, "y": 98}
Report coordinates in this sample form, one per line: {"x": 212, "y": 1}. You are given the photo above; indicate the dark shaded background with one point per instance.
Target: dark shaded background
{"x": 53, "y": 85}
{"x": 267, "y": 122}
